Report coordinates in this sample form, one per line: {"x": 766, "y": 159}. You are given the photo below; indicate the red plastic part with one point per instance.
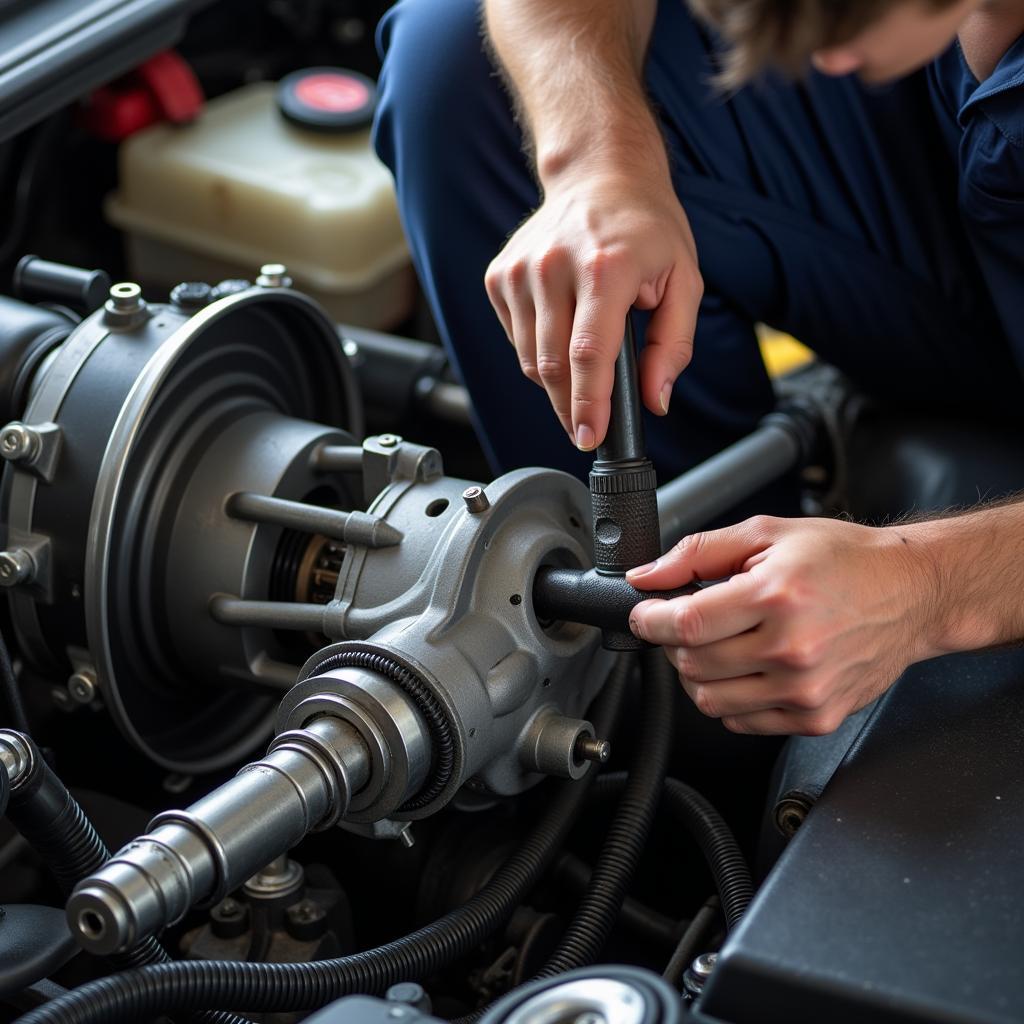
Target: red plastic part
{"x": 163, "y": 89}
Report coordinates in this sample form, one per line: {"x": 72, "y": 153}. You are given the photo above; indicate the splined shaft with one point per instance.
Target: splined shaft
{"x": 305, "y": 782}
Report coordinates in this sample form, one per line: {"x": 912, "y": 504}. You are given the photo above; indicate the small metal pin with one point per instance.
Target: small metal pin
{"x": 388, "y": 440}
{"x": 476, "y": 500}
{"x": 587, "y": 748}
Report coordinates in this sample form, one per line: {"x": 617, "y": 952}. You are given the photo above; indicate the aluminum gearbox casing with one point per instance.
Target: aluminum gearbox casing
{"x": 452, "y": 603}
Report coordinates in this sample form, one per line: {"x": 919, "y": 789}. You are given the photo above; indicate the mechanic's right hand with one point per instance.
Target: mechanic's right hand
{"x": 566, "y": 279}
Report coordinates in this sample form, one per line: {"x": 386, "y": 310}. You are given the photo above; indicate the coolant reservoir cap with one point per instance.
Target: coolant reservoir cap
{"x": 327, "y": 99}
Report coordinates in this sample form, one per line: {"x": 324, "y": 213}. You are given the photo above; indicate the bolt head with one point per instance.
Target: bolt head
{"x": 704, "y": 964}
{"x": 273, "y": 275}
{"x": 18, "y": 442}
{"x": 387, "y": 440}
{"x": 82, "y": 687}
{"x": 16, "y": 566}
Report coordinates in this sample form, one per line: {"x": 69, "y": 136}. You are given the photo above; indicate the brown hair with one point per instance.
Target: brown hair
{"x": 784, "y": 33}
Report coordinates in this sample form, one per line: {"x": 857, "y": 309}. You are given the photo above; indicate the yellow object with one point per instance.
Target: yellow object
{"x": 241, "y": 187}
{"x": 781, "y": 352}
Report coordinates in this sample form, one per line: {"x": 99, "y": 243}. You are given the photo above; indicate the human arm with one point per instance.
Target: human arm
{"x": 609, "y": 232}
{"x": 819, "y": 617}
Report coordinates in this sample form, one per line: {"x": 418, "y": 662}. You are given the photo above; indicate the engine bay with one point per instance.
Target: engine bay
{"x": 307, "y": 713}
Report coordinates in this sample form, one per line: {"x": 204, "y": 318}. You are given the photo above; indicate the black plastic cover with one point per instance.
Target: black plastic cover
{"x": 901, "y": 898}
{"x": 52, "y": 52}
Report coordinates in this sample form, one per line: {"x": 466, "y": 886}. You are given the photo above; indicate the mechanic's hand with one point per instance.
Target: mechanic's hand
{"x": 817, "y": 619}
{"x": 565, "y": 281}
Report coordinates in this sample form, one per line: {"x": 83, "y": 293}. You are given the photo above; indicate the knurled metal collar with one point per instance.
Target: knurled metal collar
{"x": 624, "y": 481}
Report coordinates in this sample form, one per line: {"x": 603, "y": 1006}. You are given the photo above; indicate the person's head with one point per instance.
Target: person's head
{"x": 879, "y": 39}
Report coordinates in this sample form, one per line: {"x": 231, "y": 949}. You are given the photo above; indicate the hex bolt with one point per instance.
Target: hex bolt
{"x": 19, "y": 443}
{"x": 126, "y": 297}
{"x": 82, "y": 686}
{"x": 588, "y": 748}
{"x": 698, "y": 973}
{"x": 16, "y": 566}
{"x": 273, "y": 275}
{"x": 476, "y": 500}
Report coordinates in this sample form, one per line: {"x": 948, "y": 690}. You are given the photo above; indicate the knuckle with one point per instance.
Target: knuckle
{"x": 735, "y": 723}
{"x": 809, "y": 697}
{"x": 762, "y": 525}
{"x": 515, "y": 275}
{"x": 601, "y": 264}
{"x": 687, "y": 624}
{"x": 801, "y": 654}
{"x": 688, "y": 667}
{"x": 585, "y": 349}
{"x": 705, "y": 701}
{"x": 821, "y": 724}
{"x": 550, "y": 264}
{"x": 552, "y": 370}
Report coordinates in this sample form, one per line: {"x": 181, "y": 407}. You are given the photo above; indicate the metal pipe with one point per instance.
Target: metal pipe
{"x": 237, "y": 611}
{"x": 692, "y": 500}
{"x": 306, "y": 781}
{"x": 337, "y": 458}
{"x": 350, "y": 527}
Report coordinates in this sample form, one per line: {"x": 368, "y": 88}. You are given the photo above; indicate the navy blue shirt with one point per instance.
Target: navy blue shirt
{"x": 984, "y": 125}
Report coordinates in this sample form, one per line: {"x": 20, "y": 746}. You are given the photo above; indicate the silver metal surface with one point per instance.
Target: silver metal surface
{"x": 551, "y": 745}
{"x": 590, "y": 749}
{"x": 281, "y": 877}
{"x": 18, "y": 442}
{"x": 82, "y": 686}
{"x": 125, "y": 307}
{"x": 223, "y": 839}
{"x": 15, "y": 756}
{"x": 612, "y": 1002}
{"x": 697, "y": 974}
{"x": 16, "y": 566}
{"x": 476, "y": 499}
{"x": 273, "y": 275}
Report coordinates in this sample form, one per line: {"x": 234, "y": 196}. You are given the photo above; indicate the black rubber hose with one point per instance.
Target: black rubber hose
{"x": 627, "y": 836}
{"x": 187, "y": 985}
{"x": 693, "y": 939}
{"x": 722, "y": 852}
{"x": 12, "y": 695}
{"x": 639, "y": 918}
{"x": 55, "y": 826}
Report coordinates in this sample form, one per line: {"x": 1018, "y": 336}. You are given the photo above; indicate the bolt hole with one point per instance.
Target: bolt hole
{"x": 472, "y": 733}
{"x": 547, "y": 682}
{"x": 91, "y": 924}
{"x": 437, "y": 507}
{"x": 516, "y": 599}
{"x": 573, "y": 521}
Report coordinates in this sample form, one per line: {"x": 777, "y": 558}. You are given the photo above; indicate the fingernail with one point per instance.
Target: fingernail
{"x": 584, "y": 438}
{"x": 641, "y": 570}
{"x": 634, "y": 625}
{"x": 666, "y": 396}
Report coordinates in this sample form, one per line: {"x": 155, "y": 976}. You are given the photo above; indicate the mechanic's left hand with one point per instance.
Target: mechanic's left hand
{"x": 817, "y": 619}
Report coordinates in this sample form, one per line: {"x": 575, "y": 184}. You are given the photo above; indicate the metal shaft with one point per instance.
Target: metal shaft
{"x": 692, "y": 500}
{"x": 350, "y": 527}
{"x": 306, "y": 781}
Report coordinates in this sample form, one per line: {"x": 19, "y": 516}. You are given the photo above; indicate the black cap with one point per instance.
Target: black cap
{"x": 327, "y": 99}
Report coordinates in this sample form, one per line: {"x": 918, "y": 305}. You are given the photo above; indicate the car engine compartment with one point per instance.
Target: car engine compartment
{"x": 307, "y": 714}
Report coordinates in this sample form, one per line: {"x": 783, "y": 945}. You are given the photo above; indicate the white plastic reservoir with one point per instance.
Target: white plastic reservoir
{"x": 241, "y": 186}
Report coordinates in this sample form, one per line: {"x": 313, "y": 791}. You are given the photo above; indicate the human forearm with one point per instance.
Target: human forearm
{"x": 575, "y": 68}
{"x": 974, "y": 565}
